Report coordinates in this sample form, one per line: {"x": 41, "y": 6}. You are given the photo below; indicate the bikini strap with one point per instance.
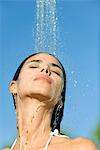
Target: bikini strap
{"x": 13, "y": 144}
{"x": 54, "y": 133}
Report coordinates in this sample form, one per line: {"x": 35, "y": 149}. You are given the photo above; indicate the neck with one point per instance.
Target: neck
{"x": 34, "y": 120}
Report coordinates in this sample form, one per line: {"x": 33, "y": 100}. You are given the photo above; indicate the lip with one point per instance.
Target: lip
{"x": 43, "y": 77}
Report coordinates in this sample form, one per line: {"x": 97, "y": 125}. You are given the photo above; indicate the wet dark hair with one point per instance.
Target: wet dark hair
{"x": 58, "y": 109}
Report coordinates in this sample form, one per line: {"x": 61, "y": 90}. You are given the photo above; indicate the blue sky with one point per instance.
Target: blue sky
{"x": 78, "y": 51}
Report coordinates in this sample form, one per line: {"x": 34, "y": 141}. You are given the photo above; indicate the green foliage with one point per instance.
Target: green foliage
{"x": 96, "y": 135}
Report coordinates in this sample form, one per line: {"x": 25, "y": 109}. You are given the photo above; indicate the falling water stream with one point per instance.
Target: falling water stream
{"x": 46, "y": 26}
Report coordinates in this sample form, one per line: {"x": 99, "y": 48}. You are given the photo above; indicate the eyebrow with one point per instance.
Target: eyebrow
{"x": 53, "y": 64}
{"x": 35, "y": 60}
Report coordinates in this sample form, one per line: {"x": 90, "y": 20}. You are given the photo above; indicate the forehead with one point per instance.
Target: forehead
{"x": 45, "y": 58}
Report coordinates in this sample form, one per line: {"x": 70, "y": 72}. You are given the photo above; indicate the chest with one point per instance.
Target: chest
{"x": 61, "y": 147}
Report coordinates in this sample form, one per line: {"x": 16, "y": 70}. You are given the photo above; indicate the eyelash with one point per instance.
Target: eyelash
{"x": 33, "y": 67}
{"x": 56, "y": 73}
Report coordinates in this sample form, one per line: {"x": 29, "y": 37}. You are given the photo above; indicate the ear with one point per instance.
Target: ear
{"x": 13, "y": 87}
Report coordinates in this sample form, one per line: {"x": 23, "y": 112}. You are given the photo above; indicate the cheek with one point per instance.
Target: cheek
{"x": 28, "y": 75}
{"x": 58, "y": 84}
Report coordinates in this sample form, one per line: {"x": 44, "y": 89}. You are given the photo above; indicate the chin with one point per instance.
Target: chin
{"x": 42, "y": 93}
{"x": 40, "y": 97}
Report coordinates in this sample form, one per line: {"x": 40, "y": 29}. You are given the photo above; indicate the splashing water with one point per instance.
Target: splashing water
{"x": 46, "y": 26}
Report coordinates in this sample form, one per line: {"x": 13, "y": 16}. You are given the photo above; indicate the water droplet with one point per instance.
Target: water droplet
{"x": 72, "y": 72}
{"x": 46, "y": 26}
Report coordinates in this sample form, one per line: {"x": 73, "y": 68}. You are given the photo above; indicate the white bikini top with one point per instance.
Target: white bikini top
{"x": 54, "y": 133}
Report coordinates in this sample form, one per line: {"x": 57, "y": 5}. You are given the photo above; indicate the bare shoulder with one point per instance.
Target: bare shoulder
{"x": 86, "y": 143}
{"x": 82, "y": 143}
{"x": 74, "y": 144}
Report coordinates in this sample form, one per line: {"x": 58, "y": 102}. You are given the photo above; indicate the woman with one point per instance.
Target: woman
{"x": 38, "y": 90}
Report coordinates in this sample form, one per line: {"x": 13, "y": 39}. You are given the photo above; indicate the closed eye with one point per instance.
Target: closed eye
{"x": 56, "y": 73}
{"x": 33, "y": 67}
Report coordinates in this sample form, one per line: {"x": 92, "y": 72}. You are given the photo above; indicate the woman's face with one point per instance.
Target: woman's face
{"x": 41, "y": 77}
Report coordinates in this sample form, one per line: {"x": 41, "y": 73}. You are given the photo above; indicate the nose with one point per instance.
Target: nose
{"x": 46, "y": 70}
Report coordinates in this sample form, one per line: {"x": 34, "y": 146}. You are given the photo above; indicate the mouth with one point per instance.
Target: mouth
{"x": 44, "y": 78}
